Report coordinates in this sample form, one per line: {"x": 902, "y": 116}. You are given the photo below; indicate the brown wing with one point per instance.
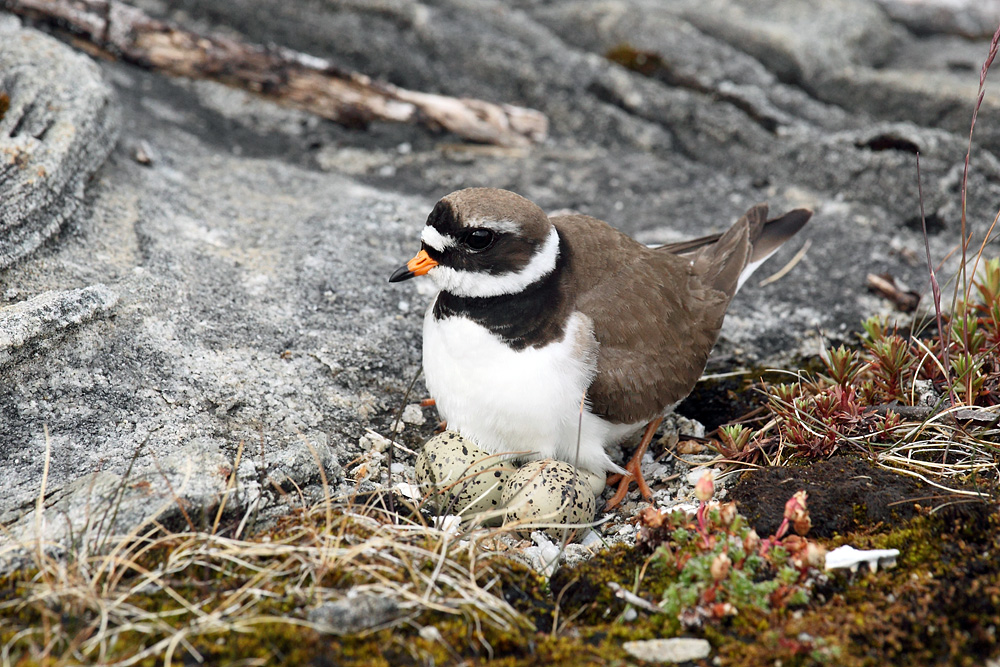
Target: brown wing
{"x": 656, "y": 315}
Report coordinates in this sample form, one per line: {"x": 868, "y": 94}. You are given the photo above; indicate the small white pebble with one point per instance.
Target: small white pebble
{"x": 397, "y": 468}
{"x": 674, "y": 650}
{"x": 411, "y": 491}
{"x": 849, "y": 557}
{"x": 404, "y": 306}
{"x": 685, "y": 506}
{"x": 412, "y": 414}
{"x": 374, "y": 441}
{"x": 696, "y": 474}
{"x": 448, "y": 523}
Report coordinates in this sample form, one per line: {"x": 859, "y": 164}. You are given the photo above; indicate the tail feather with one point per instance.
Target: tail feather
{"x": 778, "y": 230}
{"x": 730, "y": 258}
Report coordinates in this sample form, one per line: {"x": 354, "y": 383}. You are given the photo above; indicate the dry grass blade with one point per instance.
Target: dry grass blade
{"x": 935, "y": 447}
{"x": 161, "y": 596}
{"x": 935, "y": 286}
{"x": 783, "y": 271}
{"x": 966, "y": 235}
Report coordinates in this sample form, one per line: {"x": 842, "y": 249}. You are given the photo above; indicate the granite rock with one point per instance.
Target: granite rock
{"x": 243, "y": 247}
{"x": 60, "y": 123}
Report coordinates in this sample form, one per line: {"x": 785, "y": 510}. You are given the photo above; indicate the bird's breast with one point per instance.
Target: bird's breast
{"x": 508, "y": 399}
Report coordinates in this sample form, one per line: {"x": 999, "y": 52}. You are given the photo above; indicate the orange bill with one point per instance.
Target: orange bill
{"x": 417, "y": 266}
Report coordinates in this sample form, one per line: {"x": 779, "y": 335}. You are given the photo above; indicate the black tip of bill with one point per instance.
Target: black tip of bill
{"x": 401, "y": 274}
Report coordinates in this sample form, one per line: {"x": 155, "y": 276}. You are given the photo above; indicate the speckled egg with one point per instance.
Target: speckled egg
{"x": 548, "y": 492}
{"x": 596, "y": 481}
{"x": 460, "y": 478}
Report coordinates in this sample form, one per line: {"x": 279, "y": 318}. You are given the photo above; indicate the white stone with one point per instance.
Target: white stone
{"x": 448, "y": 523}
{"x": 848, "y": 556}
{"x": 698, "y": 473}
{"x": 407, "y": 490}
{"x": 674, "y": 650}
{"x": 412, "y": 414}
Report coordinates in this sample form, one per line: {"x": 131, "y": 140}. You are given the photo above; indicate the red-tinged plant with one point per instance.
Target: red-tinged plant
{"x": 720, "y": 567}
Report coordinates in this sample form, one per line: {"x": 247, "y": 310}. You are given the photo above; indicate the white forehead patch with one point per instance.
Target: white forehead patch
{"x": 436, "y": 239}
{"x": 480, "y": 284}
{"x": 500, "y": 226}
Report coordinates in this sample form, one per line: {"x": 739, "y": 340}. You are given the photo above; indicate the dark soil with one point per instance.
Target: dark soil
{"x": 845, "y": 495}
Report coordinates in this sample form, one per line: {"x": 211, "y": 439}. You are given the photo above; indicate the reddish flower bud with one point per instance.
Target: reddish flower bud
{"x": 797, "y": 503}
{"x": 727, "y": 513}
{"x": 720, "y": 567}
{"x": 797, "y": 513}
{"x": 705, "y": 488}
{"x": 816, "y": 555}
{"x": 751, "y": 542}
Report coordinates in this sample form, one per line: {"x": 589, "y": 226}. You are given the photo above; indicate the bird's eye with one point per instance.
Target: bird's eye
{"x": 479, "y": 239}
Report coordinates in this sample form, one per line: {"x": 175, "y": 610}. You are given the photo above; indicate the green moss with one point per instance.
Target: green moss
{"x": 937, "y": 606}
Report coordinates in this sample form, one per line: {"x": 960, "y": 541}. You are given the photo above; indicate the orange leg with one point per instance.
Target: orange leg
{"x": 634, "y": 467}
{"x": 430, "y": 403}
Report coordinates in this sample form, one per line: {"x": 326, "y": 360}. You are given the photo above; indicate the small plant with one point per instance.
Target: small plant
{"x": 898, "y": 397}
{"x": 737, "y": 444}
{"x": 719, "y": 566}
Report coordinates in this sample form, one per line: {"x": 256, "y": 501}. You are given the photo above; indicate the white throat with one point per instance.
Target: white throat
{"x": 476, "y": 284}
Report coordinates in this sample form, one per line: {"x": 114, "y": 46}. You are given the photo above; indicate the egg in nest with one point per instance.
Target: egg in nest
{"x": 460, "y": 478}
{"x": 542, "y": 495}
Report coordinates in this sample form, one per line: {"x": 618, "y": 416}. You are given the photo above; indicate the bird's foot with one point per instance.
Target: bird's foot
{"x": 634, "y": 468}
{"x": 624, "y": 482}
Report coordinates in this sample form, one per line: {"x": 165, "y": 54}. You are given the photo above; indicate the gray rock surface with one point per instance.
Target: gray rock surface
{"x": 974, "y": 19}
{"x": 41, "y": 318}
{"x": 61, "y": 124}
{"x": 248, "y": 245}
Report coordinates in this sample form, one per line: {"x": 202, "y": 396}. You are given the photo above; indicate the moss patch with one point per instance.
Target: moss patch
{"x": 940, "y": 605}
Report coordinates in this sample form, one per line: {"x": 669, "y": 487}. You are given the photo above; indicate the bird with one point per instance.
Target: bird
{"x": 562, "y": 336}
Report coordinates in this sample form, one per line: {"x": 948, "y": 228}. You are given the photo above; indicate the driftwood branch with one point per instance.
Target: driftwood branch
{"x": 904, "y": 299}
{"x": 287, "y": 76}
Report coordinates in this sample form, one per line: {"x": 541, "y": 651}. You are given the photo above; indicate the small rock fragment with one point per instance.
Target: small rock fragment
{"x": 412, "y": 414}
{"x": 355, "y": 613}
{"x": 44, "y": 316}
{"x": 674, "y": 650}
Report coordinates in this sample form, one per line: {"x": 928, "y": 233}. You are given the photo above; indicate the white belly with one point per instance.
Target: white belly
{"x": 519, "y": 401}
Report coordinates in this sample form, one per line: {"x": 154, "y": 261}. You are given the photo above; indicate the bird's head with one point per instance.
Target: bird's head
{"x": 482, "y": 242}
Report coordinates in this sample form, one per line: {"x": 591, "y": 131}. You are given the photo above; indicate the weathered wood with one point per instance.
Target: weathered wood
{"x": 904, "y": 299}
{"x": 287, "y": 76}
